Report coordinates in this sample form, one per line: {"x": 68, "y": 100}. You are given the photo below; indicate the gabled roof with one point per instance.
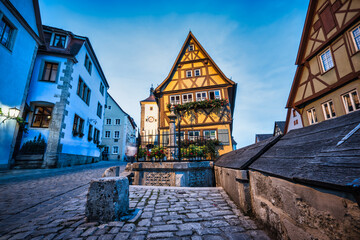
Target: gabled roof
{"x": 312, "y": 155}
{"x": 243, "y": 157}
{"x": 72, "y": 48}
{"x": 191, "y": 36}
{"x": 281, "y": 125}
{"x": 262, "y": 137}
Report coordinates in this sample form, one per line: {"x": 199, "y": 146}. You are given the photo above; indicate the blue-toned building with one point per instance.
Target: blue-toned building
{"x": 20, "y": 36}
{"x": 66, "y": 99}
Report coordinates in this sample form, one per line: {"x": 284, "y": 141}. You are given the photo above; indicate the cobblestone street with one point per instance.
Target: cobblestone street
{"x": 52, "y": 206}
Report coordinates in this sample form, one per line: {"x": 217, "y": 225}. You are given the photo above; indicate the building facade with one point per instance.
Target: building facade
{"x": 195, "y": 77}
{"x": 326, "y": 83}
{"x": 149, "y": 119}
{"x": 119, "y": 131}
{"x": 66, "y": 99}
{"x": 20, "y": 36}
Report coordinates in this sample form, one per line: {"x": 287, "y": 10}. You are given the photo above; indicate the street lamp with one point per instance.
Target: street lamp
{"x": 14, "y": 112}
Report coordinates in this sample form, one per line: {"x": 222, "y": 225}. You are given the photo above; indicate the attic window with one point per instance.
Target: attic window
{"x": 326, "y": 60}
{"x": 356, "y": 37}
{"x": 312, "y": 116}
{"x": 191, "y": 47}
{"x": 59, "y": 40}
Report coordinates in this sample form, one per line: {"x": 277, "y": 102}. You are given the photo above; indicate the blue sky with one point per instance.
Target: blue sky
{"x": 254, "y": 42}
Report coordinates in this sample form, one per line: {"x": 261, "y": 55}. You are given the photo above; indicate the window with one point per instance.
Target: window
{"x": 209, "y": 134}
{"x": 175, "y": 99}
{"x": 90, "y": 132}
{"x": 214, "y": 94}
{"x": 328, "y": 109}
{"x": 117, "y": 121}
{"x": 182, "y": 136}
{"x": 151, "y": 108}
{"x": 107, "y": 134}
{"x": 106, "y": 149}
{"x": 201, "y": 96}
{"x": 108, "y": 121}
{"x": 96, "y": 136}
{"x": 78, "y": 126}
{"x": 312, "y": 116}
{"x": 188, "y": 73}
{"x": 191, "y": 47}
{"x": 351, "y": 101}
{"x": 296, "y": 122}
{"x": 115, "y": 150}
{"x": 116, "y": 134}
{"x": 42, "y": 117}
{"x": 59, "y": 40}
{"x": 99, "y": 110}
{"x": 187, "y": 97}
{"x": 294, "y": 113}
{"x": 6, "y": 33}
{"x": 326, "y": 60}
{"x": 197, "y": 72}
{"x": 88, "y": 65}
{"x": 194, "y": 135}
{"x": 83, "y": 91}
{"x": 102, "y": 88}
{"x": 50, "y": 72}
{"x": 355, "y": 34}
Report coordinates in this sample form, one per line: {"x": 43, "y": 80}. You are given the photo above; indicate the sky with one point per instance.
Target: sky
{"x": 254, "y": 43}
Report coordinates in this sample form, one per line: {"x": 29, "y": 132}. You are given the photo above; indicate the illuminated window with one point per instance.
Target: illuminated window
{"x": 329, "y": 110}
{"x": 312, "y": 116}
{"x": 351, "y": 101}
{"x": 42, "y": 117}
{"x": 50, "y": 72}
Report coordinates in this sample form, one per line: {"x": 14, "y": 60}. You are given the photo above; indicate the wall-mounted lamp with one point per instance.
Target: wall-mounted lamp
{"x": 14, "y": 112}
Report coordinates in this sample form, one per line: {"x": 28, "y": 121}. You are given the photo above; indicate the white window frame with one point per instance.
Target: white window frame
{"x": 194, "y": 137}
{"x": 175, "y": 102}
{"x": 197, "y": 70}
{"x": 113, "y": 149}
{"x": 109, "y": 134}
{"x": 311, "y": 114}
{"x": 187, "y": 98}
{"x": 214, "y": 91}
{"x": 106, "y": 122}
{"x": 201, "y": 98}
{"x": 53, "y": 39}
{"x": 351, "y": 100}
{"x": 191, "y": 47}
{"x": 210, "y": 136}
{"x": 354, "y": 38}
{"x": 117, "y": 120}
{"x": 329, "y": 105}
{"x": 190, "y": 73}
{"x": 116, "y": 133}
{"x": 324, "y": 60}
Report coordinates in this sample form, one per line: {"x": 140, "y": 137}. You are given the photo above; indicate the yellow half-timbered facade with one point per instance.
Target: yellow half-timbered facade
{"x": 195, "y": 77}
{"x": 327, "y": 80}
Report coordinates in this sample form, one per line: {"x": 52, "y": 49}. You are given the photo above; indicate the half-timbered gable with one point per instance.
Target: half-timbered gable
{"x": 328, "y": 62}
{"x": 196, "y": 77}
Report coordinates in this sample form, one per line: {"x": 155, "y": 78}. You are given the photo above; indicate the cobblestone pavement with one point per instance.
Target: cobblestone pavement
{"x": 53, "y": 207}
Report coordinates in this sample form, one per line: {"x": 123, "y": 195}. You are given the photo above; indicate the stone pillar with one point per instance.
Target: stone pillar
{"x": 172, "y": 153}
{"x": 53, "y": 148}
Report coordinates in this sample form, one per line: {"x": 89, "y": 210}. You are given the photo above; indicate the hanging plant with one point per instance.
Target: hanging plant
{"x": 189, "y": 107}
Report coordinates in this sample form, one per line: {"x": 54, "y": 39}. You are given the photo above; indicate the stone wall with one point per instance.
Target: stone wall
{"x": 296, "y": 211}
{"x": 66, "y": 160}
{"x": 236, "y": 183}
{"x": 180, "y": 174}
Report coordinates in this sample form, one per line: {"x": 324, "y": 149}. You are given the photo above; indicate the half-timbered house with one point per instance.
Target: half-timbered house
{"x": 195, "y": 77}
{"x": 326, "y": 83}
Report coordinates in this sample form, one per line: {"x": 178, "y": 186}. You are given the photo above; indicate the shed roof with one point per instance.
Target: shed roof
{"x": 311, "y": 154}
{"x": 243, "y": 157}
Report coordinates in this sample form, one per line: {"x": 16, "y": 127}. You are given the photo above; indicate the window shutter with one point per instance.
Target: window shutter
{"x": 223, "y": 136}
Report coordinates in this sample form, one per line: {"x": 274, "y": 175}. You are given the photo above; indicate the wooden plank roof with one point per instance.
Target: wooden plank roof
{"x": 311, "y": 154}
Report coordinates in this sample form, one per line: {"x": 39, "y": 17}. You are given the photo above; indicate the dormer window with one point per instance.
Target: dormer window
{"x": 88, "y": 64}
{"x": 191, "y": 47}
{"x": 59, "y": 41}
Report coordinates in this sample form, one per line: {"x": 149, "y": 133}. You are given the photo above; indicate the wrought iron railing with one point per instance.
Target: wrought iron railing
{"x": 188, "y": 147}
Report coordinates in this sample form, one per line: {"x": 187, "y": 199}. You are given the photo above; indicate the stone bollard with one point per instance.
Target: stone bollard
{"x": 107, "y": 199}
